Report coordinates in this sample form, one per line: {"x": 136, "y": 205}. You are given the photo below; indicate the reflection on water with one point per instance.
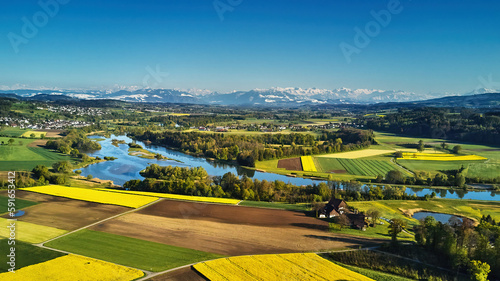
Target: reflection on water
{"x": 127, "y": 167}
{"x": 443, "y": 218}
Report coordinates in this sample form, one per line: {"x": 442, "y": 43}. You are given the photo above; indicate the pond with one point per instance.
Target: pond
{"x": 443, "y": 218}
{"x": 127, "y": 167}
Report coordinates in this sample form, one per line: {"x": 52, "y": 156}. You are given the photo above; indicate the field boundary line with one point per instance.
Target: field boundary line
{"x": 397, "y": 164}
{"x": 98, "y": 222}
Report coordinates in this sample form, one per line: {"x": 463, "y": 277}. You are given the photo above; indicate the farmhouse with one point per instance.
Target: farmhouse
{"x": 335, "y": 207}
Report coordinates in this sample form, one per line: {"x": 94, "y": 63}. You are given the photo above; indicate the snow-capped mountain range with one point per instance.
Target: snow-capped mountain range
{"x": 274, "y": 96}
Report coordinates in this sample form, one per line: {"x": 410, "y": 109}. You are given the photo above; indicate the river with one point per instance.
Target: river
{"x": 127, "y": 167}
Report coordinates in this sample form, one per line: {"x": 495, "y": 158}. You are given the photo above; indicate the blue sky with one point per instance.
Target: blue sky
{"x": 426, "y": 46}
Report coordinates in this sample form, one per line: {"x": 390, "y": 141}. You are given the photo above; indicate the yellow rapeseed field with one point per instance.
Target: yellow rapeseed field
{"x": 73, "y": 267}
{"x": 178, "y": 197}
{"x": 357, "y": 154}
{"x": 276, "y": 267}
{"x": 92, "y": 195}
{"x": 308, "y": 164}
{"x": 37, "y": 134}
{"x": 440, "y": 157}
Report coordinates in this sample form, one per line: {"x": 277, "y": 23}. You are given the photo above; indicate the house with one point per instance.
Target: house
{"x": 335, "y": 207}
{"x": 358, "y": 221}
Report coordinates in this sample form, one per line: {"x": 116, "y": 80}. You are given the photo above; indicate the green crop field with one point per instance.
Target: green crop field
{"x": 26, "y": 254}
{"x": 30, "y": 232}
{"x": 128, "y": 251}
{"x": 12, "y": 132}
{"x": 326, "y": 165}
{"x": 19, "y": 156}
{"x": 20, "y": 203}
{"x": 367, "y": 167}
{"x": 435, "y": 166}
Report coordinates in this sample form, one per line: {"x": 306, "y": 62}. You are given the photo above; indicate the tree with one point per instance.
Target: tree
{"x": 444, "y": 145}
{"x": 394, "y": 176}
{"x": 395, "y": 227}
{"x": 89, "y": 177}
{"x": 398, "y": 154}
{"x": 343, "y": 221}
{"x": 32, "y": 135}
{"x": 479, "y": 270}
{"x": 374, "y": 215}
{"x": 11, "y": 141}
{"x": 420, "y": 146}
{"x": 457, "y": 149}
{"x": 62, "y": 166}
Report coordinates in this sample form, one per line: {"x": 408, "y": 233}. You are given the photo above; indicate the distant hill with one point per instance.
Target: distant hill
{"x": 475, "y": 101}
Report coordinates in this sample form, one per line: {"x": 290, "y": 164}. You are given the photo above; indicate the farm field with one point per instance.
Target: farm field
{"x": 440, "y": 157}
{"x": 20, "y": 203}
{"x": 229, "y": 230}
{"x": 30, "y": 232}
{"x": 308, "y": 164}
{"x": 397, "y": 208}
{"x": 26, "y": 254}
{"x": 291, "y": 164}
{"x": 73, "y": 267}
{"x": 276, "y": 267}
{"x": 367, "y": 167}
{"x": 132, "y": 252}
{"x": 357, "y": 154}
{"x": 177, "y": 196}
{"x": 329, "y": 165}
{"x": 276, "y": 205}
{"x": 37, "y": 134}
{"x": 104, "y": 197}
{"x": 64, "y": 213}
{"x": 12, "y": 132}
{"x": 22, "y": 155}
{"x": 435, "y": 166}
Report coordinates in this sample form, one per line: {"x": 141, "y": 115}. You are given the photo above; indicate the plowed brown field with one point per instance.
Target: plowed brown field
{"x": 292, "y": 164}
{"x": 228, "y": 230}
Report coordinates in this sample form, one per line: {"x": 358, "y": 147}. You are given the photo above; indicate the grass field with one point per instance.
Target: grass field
{"x": 129, "y": 251}
{"x": 367, "y": 167}
{"x": 277, "y": 205}
{"x": 328, "y": 165}
{"x": 276, "y": 267}
{"x": 20, "y": 156}
{"x": 177, "y": 196}
{"x": 20, "y": 204}
{"x": 375, "y": 275}
{"x": 26, "y": 254}
{"x": 440, "y": 157}
{"x": 358, "y": 153}
{"x": 397, "y": 208}
{"x": 73, "y": 267}
{"x": 12, "y": 132}
{"x": 104, "y": 197}
{"x": 308, "y": 164}
{"x": 29, "y": 232}
{"x": 435, "y": 166}
{"x": 37, "y": 134}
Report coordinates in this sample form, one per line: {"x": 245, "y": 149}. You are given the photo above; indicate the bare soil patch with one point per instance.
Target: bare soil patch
{"x": 229, "y": 230}
{"x": 338, "y": 171}
{"x": 64, "y": 213}
{"x": 38, "y": 143}
{"x": 231, "y": 214}
{"x": 292, "y": 164}
{"x": 183, "y": 274}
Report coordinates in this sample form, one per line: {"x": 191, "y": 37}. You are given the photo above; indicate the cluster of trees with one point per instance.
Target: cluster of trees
{"x": 74, "y": 142}
{"x": 44, "y": 176}
{"x": 187, "y": 121}
{"x": 248, "y": 149}
{"x": 466, "y": 125}
{"x": 476, "y": 249}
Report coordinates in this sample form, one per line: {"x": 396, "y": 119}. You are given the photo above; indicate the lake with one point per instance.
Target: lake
{"x": 443, "y": 218}
{"x": 127, "y": 167}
